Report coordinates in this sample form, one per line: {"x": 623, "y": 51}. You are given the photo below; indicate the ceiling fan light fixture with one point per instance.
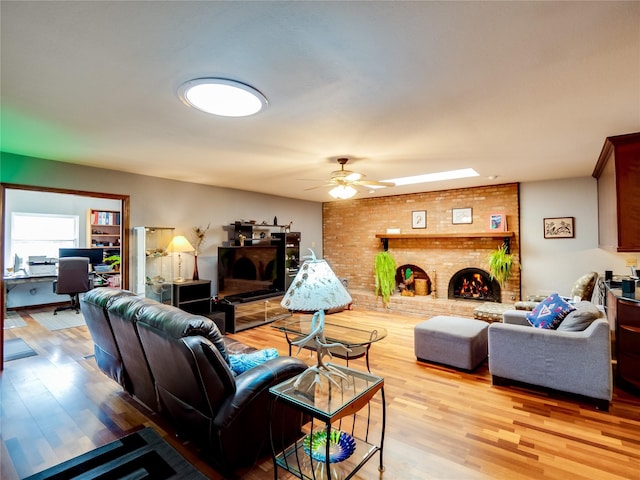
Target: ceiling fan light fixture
{"x": 343, "y": 192}
{"x": 353, "y": 177}
{"x": 222, "y": 96}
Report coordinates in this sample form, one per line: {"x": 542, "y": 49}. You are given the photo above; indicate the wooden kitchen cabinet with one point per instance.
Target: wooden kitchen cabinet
{"x": 618, "y": 175}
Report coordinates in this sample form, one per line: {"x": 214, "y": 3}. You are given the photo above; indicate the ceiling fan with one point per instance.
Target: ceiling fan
{"x": 345, "y": 183}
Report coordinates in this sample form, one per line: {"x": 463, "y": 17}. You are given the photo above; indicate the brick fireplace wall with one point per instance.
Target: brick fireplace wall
{"x": 350, "y": 243}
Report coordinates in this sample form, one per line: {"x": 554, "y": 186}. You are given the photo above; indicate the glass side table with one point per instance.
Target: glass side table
{"x": 345, "y": 415}
{"x": 358, "y": 340}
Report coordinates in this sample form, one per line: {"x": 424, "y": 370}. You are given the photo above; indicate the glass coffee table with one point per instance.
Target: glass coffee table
{"x": 346, "y": 427}
{"x": 358, "y": 339}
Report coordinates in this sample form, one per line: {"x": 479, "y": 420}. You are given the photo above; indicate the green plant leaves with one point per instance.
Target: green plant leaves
{"x": 385, "y": 270}
{"x": 500, "y": 264}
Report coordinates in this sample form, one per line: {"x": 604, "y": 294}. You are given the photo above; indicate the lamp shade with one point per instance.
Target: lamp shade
{"x": 315, "y": 287}
{"x": 180, "y": 244}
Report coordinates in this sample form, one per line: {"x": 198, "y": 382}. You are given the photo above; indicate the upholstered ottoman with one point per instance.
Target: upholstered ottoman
{"x": 456, "y": 341}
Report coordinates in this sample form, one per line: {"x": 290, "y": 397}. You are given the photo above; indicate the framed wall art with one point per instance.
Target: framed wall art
{"x": 498, "y": 222}
{"x": 419, "y": 219}
{"x": 559, "y": 227}
{"x": 462, "y": 215}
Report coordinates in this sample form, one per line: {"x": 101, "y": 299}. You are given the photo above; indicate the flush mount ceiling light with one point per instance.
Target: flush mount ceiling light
{"x": 221, "y": 96}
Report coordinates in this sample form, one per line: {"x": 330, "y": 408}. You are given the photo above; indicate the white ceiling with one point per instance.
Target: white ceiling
{"x": 523, "y": 90}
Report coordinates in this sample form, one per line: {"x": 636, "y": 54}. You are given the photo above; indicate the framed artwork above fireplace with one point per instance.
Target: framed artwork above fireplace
{"x": 419, "y": 219}
{"x": 461, "y": 215}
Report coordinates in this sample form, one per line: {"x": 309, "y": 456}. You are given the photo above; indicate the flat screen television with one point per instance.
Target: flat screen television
{"x": 245, "y": 273}
{"x": 95, "y": 255}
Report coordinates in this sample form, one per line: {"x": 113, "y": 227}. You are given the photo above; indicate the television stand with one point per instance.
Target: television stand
{"x": 252, "y": 309}
{"x": 251, "y": 296}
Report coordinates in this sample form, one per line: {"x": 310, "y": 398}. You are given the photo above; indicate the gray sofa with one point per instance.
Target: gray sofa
{"x": 578, "y": 362}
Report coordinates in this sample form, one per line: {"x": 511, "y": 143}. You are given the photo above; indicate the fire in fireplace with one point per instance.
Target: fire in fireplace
{"x": 474, "y": 284}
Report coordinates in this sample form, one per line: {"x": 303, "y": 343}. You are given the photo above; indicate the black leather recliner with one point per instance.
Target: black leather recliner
{"x": 227, "y": 415}
{"x": 123, "y": 316}
{"x": 94, "y": 306}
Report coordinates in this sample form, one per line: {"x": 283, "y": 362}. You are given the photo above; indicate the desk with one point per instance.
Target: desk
{"x": 12, "y": 281}
{"x": 358, "y": 340}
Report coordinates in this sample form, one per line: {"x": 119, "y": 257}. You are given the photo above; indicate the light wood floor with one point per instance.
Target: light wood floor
{"x": 441, "y": 423}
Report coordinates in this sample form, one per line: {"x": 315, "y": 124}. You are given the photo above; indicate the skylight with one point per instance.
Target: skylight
{"x": 434, "y": 177}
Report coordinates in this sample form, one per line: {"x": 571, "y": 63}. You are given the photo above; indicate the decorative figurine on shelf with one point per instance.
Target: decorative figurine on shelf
{"x": 406, "y": 287}
{"x": 286, "y": 228}
{"x": 275, "y": 220}
{"x": 241, "y": 239}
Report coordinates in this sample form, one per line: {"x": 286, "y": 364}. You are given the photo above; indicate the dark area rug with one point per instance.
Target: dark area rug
{"x": 15, "y": 348}
{"x": 141, "y": 455}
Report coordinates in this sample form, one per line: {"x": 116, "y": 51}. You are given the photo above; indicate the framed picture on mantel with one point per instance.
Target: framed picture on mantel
{"x": 498, "y": 222}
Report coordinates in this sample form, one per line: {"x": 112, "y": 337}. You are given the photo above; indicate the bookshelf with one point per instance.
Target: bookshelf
{"x": 104, "y": 231}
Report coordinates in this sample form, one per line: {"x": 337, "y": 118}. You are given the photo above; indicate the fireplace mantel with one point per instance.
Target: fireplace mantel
{"x": 385, "y": 237}
{"x": 391, "y": 236}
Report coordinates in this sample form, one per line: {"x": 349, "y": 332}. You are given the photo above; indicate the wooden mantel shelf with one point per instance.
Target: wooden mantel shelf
{"x": 385, "y": 237}
{"x": 394, "y": 236}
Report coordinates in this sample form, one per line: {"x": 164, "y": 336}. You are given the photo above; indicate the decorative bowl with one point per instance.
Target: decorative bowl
{"x": 341, "y": 446}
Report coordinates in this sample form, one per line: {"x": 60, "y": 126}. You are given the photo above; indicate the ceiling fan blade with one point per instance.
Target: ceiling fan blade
{"x": 319, "y": 186}
{"x": 371, "y": 183}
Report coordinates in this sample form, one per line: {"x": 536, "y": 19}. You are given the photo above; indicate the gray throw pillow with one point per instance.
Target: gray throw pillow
{"x": 583, "y": 316}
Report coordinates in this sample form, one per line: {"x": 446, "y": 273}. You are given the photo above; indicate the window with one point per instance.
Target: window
{"x": 42, "y": 234}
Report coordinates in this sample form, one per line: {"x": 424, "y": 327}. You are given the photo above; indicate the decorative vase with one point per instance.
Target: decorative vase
{"x": 195, "y": 268}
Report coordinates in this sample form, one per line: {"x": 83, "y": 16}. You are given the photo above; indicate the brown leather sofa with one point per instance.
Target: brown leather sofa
{"x": 178, "y": 366}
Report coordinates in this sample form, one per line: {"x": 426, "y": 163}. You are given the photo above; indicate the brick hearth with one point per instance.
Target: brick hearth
{"x": 417, "y": 306}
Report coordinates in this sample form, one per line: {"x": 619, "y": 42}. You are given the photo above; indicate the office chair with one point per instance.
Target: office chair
{"x": 73, "y": 279}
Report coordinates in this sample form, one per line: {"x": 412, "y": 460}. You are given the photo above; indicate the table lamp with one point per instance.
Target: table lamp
{"x": 180, "y": 244}
{"x": 316, "y": 288}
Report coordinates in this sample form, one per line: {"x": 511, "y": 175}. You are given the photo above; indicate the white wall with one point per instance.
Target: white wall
{"x": 160, "y": 202}
{"x": 553, "y": 265}
{"x": 548, "y": 265}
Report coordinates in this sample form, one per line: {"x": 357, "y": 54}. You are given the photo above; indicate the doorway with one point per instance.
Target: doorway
{"x": 124, "y": 208}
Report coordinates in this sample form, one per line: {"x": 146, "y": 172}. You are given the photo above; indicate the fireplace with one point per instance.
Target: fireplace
{"x": 474, "y": 284}
{"x": 419, "y": 276}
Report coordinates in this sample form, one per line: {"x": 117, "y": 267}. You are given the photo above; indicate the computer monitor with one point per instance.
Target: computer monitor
{"x": 95, "y": 255}
{"x": 17, "y": 263}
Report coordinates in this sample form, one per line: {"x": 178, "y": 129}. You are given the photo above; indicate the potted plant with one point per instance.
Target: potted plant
{"x": 114, "y": 261}
{"x": 385, "y": 271}
{"x": 500, "y": 264}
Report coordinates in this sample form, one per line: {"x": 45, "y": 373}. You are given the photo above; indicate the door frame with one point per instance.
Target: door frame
{"x": 124, "y": 244}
